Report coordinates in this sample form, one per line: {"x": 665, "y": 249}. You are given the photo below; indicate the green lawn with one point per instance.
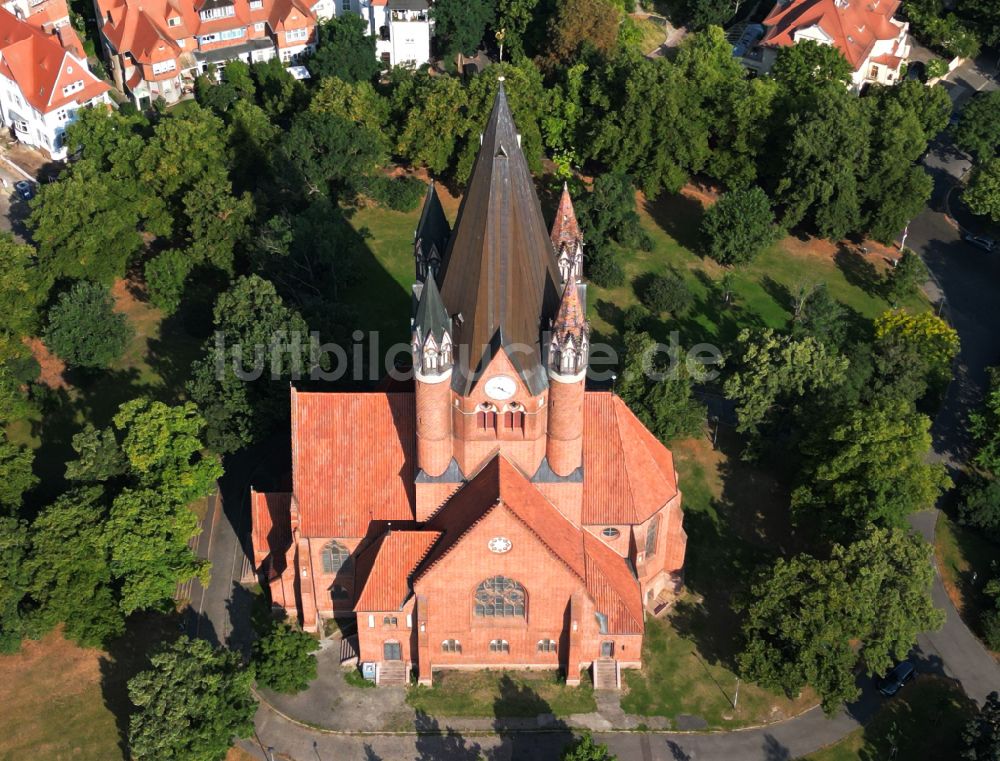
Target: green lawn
{"x": 678, "y": 679}
{"x": 501, "y": 693}
{"x": 923, "y": 723}
{"x": 960, "y": 554}
{"x": 762, "y": 291}
{"x": 652, "y": 34}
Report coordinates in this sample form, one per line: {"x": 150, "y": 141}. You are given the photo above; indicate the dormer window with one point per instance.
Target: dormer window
{"x": 174, "y": 21}
{"x": 73, "y": 87}
{"x": 221, "y": 11}
{"x": 256, "y": 5}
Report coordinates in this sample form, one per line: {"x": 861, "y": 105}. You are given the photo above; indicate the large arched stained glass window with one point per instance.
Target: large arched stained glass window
{"x": 499, "y": 597}
{"x": 335, "y": 557}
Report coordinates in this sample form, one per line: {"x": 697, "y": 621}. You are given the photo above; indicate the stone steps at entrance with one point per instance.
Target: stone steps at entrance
{"x": 606, "y": 674}
{"x": 392, "y": 674}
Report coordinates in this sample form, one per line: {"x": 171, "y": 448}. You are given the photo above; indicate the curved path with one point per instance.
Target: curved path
{"x": 970, "y": 281}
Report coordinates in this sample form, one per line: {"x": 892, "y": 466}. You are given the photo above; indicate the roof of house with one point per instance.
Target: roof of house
{"x": 500, "y": 272}
{"x": 627, "y": 472}
{"x": 40, "y": 67}
{"x": 501, "y": 485}
{"x": 141, "y": 27}
{"x": 353, "y": 460}
{"x": 852, "y": 25}
{"x": 387, "y": 566}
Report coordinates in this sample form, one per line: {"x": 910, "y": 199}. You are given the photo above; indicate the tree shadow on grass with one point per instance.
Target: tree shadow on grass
{"x": 680, "y": 217}
{"x": 127, "y": 656}
{"x": 743, "y": 529}
{"x": 858, "y": 271}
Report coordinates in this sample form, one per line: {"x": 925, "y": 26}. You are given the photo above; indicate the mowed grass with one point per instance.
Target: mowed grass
{"x": 962, "y": 554}
{"x": 652, "y": 35}
{"x": 762, "y": 291}
{"x": 53, "y": 706}
{"x": 924, "y": 722}
{"x": 677, "y": 679}
{"x": 501, "y": 694}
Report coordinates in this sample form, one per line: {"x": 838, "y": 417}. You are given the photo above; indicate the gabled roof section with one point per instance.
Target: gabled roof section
{"x": 500, "y": 271}
{"x": 853, "y": 25}
{"x": 395, "y": 556}
{"x": 352, "y": 460}
{"x": 433, "y": 228}
{"x": 272, "y": 529}
{"x": 628, "y": 473}
{"x": 431, "y": 318}
{"x": 500, "y": 483}
{"x": 36, "y": 62}
{"x": 612, "y": 586}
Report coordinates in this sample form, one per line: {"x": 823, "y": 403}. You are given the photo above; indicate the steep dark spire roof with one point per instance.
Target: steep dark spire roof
{"x": 500, "y": 271}
{"x": 433, "y": 228}
{"x": 431, "y": 318}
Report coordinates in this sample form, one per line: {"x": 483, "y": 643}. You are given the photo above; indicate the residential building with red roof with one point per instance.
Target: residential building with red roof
{"x": 157, "y": 47}
{"x": 496, "y": 513}
{"x": 44, "y": 79}
{"x": 874, "y": 43}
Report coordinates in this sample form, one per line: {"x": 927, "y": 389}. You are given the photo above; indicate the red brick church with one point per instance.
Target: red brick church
{"x": 498, "y": 513}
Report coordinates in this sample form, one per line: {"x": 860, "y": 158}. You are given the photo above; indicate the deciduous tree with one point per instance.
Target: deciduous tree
{"x": 983, "y": 192}
{"x": 421, "y": 99}
{"x": 344, "y": 50}
{"x": 13, "y": 581}
{"x": 739, "y": 226}
{"x": 978, "y": 129}
{"x": 190, "y": 704}
{"x": 68, "y": 570}
{"x": 810, "y": 620}
{"x": 16, "y": 475}
{"x": 283, "y": 658}
{"x": 870, "y": 469}
{"x": 459, "y": 25}
{"x": 772, "y": 368}
{"x": 84, "y": 330}
{"x": 982, "y": 733}
{"x": 584, "y": 22}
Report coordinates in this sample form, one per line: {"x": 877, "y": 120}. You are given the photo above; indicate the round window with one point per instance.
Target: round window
{"x": 611, "y": 533}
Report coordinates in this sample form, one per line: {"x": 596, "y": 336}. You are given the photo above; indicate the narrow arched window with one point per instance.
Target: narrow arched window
{"x": 336, "y": 557}
{"x": 651, "y": 532}
{"x": 451, "y": 646}
{"x": 499, "y": 646}
{"x": 546, "y": 645}
{"x": 499, "y": 597}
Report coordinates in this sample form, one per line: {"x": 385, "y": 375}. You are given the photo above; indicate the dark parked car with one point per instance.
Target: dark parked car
{"x": 25, "y": 189}
{"x": 979, "y": 241}
{"x": 893, "y": 682}
{"x": 916, "y": 70}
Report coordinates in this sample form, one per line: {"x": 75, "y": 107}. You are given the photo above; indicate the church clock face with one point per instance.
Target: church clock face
{"x": 499, "y": 544}
{"x": 500, "y": 387}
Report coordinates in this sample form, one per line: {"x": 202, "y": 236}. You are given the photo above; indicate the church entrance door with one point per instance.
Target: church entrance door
{"x": 607, "y": 649}
{"x": 391, "y": 651}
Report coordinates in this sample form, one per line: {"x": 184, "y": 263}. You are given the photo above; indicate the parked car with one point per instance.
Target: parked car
{"x": 893, "y": 682}
{"x": 25, "y": 189}
{"x": 979, "y": 241}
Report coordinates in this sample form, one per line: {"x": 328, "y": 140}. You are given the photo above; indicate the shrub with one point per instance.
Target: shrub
{"x": 165, "y": 276}
{"x": 84, "y": 330}
{"x": 603, "y": 269}
{"x": 991, "y": 619}
{"x": 667, "y": 293}
{"x": 398, "y": 194}
{"x": 907, "y": 276}
{"x": 936, "y": 67}
{"x": 981, "y": 507}
{"x": 283, "y": 658}
{"x": 739, "y": 226}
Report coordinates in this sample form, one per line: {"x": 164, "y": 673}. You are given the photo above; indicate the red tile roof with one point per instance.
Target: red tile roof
{"x": 853, "y": 25}
{"x": 352, "y": 460}
{"x": 272, "y": 531}
{"x": 628, "y": 473}
{"x": 394, "y": 557}
{"x": 614, "y": 589}
{"x": 501, "y": 485}
{"x": 39, "y": 65}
